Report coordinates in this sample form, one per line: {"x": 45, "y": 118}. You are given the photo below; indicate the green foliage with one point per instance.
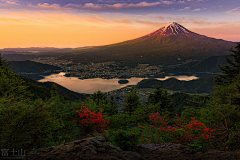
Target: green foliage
{"x": 113, "y": 108}
{"x": 223, "y": 116}
{"x": 99, "y": 96}
{"x": 132, "y": 102}
{"x": 161, "y": 99}
{"x": 229, "y": 72}
{"x": 179, "y": 100}
{"x": 69, "y": 95}
{"x": 11, "y": 85}
{"x": 25, "y": 125}
{"x": 142, "y": 114}
{"x": 109, "y": 108}
{"x": 125, "y": 139}
{"x": 118, "y": 121}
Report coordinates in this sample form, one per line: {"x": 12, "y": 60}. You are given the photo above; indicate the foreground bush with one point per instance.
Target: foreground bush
{"x": 24, "y": 126}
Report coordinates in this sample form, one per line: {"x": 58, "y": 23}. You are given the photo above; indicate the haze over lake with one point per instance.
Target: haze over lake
{"x": 89, "y": 86}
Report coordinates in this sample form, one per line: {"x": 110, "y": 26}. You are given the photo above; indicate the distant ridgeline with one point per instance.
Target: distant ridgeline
{"x": 43, "y": 90}
{"x": 36, "y": 69}
{"x": 209, "y": 65}
{"x": 201, "y": 85}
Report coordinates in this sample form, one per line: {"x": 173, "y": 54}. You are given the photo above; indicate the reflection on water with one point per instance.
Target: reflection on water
{"x": 89, "y": 86}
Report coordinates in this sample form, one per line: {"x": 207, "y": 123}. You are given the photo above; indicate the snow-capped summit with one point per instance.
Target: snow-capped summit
{"x": 171, "y": 29}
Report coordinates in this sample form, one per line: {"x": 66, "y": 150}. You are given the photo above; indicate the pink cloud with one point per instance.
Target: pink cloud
{"x": 11, "y": 2}
{"x": 184, "y": 9}
{"x": 47, "y": 6}
{"x": 234, "y": 11}
{"x": 197, "y": 9}
{"x": 8, "y": 3}
{"x": 167, "y": 2}
{"x": 113, "y": 6}
{"x": 181, "y": 2}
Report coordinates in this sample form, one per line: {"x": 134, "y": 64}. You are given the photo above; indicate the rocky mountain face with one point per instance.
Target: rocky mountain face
{"x": 95, "y": 148}
{"x": 171, "y": 29}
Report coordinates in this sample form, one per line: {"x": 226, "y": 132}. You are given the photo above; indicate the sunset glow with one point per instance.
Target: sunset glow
{"x": 51, "y": 23}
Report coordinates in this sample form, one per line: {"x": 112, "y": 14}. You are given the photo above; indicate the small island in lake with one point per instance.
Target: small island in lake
{"x": 123, "y": 81}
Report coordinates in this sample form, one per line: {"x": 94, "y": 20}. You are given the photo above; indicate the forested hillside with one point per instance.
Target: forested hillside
{"x": 31, "y": 66}
{"x": 201, "y": 85}
{"x": 209, "y": 65}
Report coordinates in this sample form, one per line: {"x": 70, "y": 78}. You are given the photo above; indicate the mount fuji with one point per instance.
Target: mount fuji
{"x": 170, "y": 29}
{"x": 166, "y": 46}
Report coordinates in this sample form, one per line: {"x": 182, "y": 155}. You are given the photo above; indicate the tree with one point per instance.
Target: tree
{"x": 54, "y": 92}
{"x": 11, "y": 85}
{"x": 230, "y": 71}
{"x": 113, "y": 106}
{"x": 97, "y": 96}
{"x": 161, "y": 98}
{"x": 131, "y": 102}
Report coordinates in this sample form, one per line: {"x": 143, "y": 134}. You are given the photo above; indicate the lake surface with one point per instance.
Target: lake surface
{"x": 89, "y": 86}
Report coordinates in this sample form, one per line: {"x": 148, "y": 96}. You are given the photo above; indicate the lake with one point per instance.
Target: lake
{"x": 89, "y": 86}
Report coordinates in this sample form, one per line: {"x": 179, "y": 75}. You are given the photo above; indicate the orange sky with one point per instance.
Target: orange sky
{"x": 55, "y": 26}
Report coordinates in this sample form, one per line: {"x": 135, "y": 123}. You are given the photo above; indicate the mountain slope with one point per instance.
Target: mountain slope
{"x": 172, "y": 40}
{"x": 42, "y": 90}
{"x": 33, "y": 70}
{"x": 205, "y": 65}
{"x": 201, "y": 85}
{"x": 31, "y": 66}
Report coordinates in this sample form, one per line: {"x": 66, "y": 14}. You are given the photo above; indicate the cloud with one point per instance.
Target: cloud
{"x": 181, "y": 2}
{"x": 167, "y": 2}
{"x": 184, "y": 9}
{"x": 234, "y": 11}
{"x": 46, "y": 6}
{"x": 113, "y": 6}
{"x": 197, "y": 9}
{"x": 8, "y": 3}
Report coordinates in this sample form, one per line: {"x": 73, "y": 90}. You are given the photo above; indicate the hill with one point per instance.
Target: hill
{"x": 43, "y": 90}
{"x": 31, "y": 66}
{"x": 36, "y": 49}
{"x": 201, "y": 85}
{"x": 209, "y": 65}
{"x": 172, "y": 40}
{"x": 32, "y": 69}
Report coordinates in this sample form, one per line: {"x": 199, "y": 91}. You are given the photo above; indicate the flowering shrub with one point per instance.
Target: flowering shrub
{"x": 89, "y": 121}
{"x": 195, "y": 134}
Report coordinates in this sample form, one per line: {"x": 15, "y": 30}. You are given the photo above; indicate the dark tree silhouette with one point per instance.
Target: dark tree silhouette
{"x": 131, "y": 102}
{"x": 229, "y": 72}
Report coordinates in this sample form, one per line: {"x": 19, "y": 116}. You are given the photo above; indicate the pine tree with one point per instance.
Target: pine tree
{"x": 113, "y": 106}
{"x": 229, "y": 71}
{"x": 11, "y": 85}
{"x": 98, "y": 96}
{"x": 160, "y": 96}
{"x": 54, "y": 92}
{"x": 131, "y": 102}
